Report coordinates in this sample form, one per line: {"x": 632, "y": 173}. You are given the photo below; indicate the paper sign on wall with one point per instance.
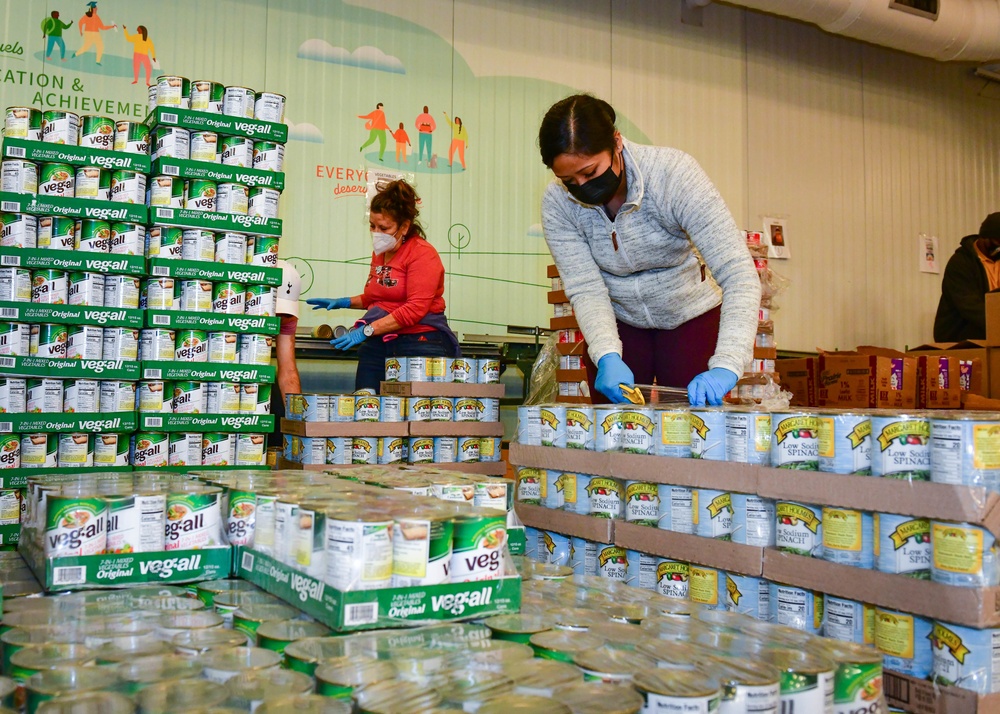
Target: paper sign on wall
{"x": 928, "y": 251}
{"x": 776, "y": 237}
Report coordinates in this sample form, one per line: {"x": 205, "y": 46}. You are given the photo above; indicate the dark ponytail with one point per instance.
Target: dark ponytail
{"x": 580, "y": 124}
{"x": 398, "y": 200}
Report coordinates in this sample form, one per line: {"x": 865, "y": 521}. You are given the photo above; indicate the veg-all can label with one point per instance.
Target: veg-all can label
{"x": 268, "y": 156}
{"x": 905, "y": 642}
{"x": 189, "y": 398}
{"x": 207, "y": 96}
{"x": 963, "y": 554}
{"x": 75, "y": 526}
{"x": 125, "y": 239}
{"x": 13, "y": 395}
{"x": 60, "y": 127}
{"x": 49, "y": 287}
{"x": 642, "y": 503}
{"x": 44, "y": 396}
{"x": 845, "y": 444}
{"x": 39, "y": 451}
{"x": 201, "y": 196}
{"x": 672, "y": 578}
{"x": 171, "y": 91}
{"x": 795, "y": 441}
{"x": 18, "y": 230}
{"x": 902, "y": 545}
{"x": 223, "y": 397}
{"x": 358, "y": 552}
{"x": 56, "y": 179}
{"x": 93, "y": 182}
{"x": 150, "y": 449}
{"x": 204, "y": 146}
{"x": 753, "y": 520}
{"x": 191, "y": 346}
{"x": 112, "y": 450}
{"x": 256, "y": 349}
{"x": 901, "y": 446}
{"x": 263, "y": 202}
{"x": 261, "y": 300}
{"x": 712, "y": 512}
{"x": 121, "y": 343}
{"x": 15, "y": 339}
{"x": 121, "y": 291}
{"x": 233, "y": 198}
{"x": 165, "y": 242}
{"x": 169, "y": 142}
{"x": 708, "y": 434}
{"x": 159, "y": 294}
{"x": 250, "y": 449}
{"x": 748, "y": 437}
{"x": 966, "y": 657}
{"x": 131, "y": 137}
{"x": 18, "y": 176}
{"x": 748, "y": 596}
{"x": 255, "y": 399}
{"x": 166, "y": 191}
{"x": 81, "y": 396}
{"x": 10, "y": 452}
{"x": 92, "y": 236}
{"x": 52, "y": 341}
{"x": 23, "y": 123}
{"x": 193, "y": 521}
{"x": 422, "y": 551}
{"x": 799, "y": 529}
{"x": 237, "y": 151}
{"x": 56, "y": 233}
{"x": 217, "y": 450}
{"x": 86, "y": 289}
{"x": 269, "y": 106}
{"x": 604, "y": 497}
{"x": 797, "y": 608}
{"x": 228, "y": 298}
{"x": 15, "y": 285}
{"x": 128, "y": 187}
{"x": 238, "y": 102}
{"x": 198, "y": 245}
{"x": 118, "y": 396}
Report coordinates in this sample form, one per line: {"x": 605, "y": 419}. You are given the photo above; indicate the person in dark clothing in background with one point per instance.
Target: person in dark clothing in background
{"x": 972, "y": 271}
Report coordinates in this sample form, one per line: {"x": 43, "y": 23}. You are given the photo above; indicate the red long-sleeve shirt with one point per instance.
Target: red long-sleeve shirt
{"x": 409, "y": 287}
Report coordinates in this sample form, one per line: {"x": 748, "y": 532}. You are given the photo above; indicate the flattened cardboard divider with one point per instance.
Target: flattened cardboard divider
{"x": 572, "y": 460}
{"x": 343, "y": 428}
{"x": 483, "y": 468}
{"x": 599, "y": 530}
{"x": 710, "y": 552}
{"x": 972, "y": 607}
{"x": 564, "y": 323}
{"x": 455, "y": 428}
{"x": 919, "y": 696}
{"x": 557, "y": 296}
{"x": 696, "y": 473}
{"x": 441, "y": 389}
{"x": 551, "y": 271}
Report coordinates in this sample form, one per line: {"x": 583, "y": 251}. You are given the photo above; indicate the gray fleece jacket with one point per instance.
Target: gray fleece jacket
{"x": 642, "y": 267}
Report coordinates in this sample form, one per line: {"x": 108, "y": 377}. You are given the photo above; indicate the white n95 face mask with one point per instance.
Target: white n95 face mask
{"x": 382, "y": 242}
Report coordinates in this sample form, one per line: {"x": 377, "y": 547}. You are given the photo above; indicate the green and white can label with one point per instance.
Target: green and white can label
{"x": 118, "y": 396}
{"x": 92, "y": 236}
{"x": 222, "y": 347}
{"x": 121, "y": 343}
{"x": 250, "y": 449}
{"x": 131, "y": 137}
{"x": 256, "y": 349}
{"x": 159, "y": 293}
{"x": 218, "y": 449}
{"x": 228, "y": 298}
{"x": 52, "y": 341}
{"x": 112, "y": 450}
{"x": 126, "y": 239}
{"x": 204, "y": 146}
{"x": 479, "y": 542}
{"x": 237, "y": 151}
{"x": 81, "y": 396}
{"x": 39, "y": 450}
{"x": 10, "y": 451}
{"x": 901, "y": 447}
{"x": 56, "y": 179}
{"x": 902, "y": 545}
{"x": 358, "y": 553}
{"x": 173, "y": 91}
{"x": 795, "y": 441}
{"x": 10, "y": 500}
{"x": 189, "y": 398}
{"x": 191, "y": 346}
{"x": 233, "y": 198}
{"x": 263, "y": 251}
{"x": 269, "y": 106}
{"x": 150, "y": 449}
{"x": 56, "y": 232}
{"x": 165, "y": 242}
{"x": 12, "y": 395}
{"x": 802, "y": 692}
{"x": 49, "y": 287}
{"x": 44, "y": 396}
{"x": 198, "y": 245}
{"x": 128, "y": 187}
{"x": 169, "y": 142}
{"x": 15, "y": 339}
{"x": 230, "y": 248}
{"x": 238, "y": 102}
{"x": 421, "y": 551}
{"x": 121, "y": 291}
{"x": 23, "y": 123}
{"x": 207, "y": 96}
{"x": 241, "y": 517}
{"x": 166, "y": 191}
{"x": 193, "y": 521}
{"x": 201, "y": 196}
{"x": 86, "y": 289}
{"x": 97, "y": 132}
{"x": 799, "y": 528}
{"x": 18, "y": 230}
{"x": 75, "y": 526}
{"x": 255, "y": 399}
{"x": 261, "y": 300}
{"x": 223, "y": 397}
{"x": 15, "y": 285}
{"x": 93, "y": 182}
{"x": 268, "y": 156}
{"x": 263, "y": 202}
{"x": 155, "y": 396}
{"x": 18, "y": 176}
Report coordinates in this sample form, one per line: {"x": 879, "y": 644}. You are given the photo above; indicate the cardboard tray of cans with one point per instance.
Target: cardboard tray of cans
{"x": 441, "y": 389}
{"x": 71, "y": 314}
{"x": 219, "y": 173}
{"x": 206, "y": 220}
{"x": 710, "y": 552}
{"x": 484, "y": 468}
{"x": 343, "y": 428}
{"x": 383, "y": 608}
{"x": 972, "y": 607}
{"x": 919, "y": 696}
{"x": 220, "y": 124}
{"x": 599, "y": 530}
{"x": 43, "y": 151}
{"x": 72, "y": 207}
{"x": 124, "y": 370}
{"x": 207, "y": 372}
{"x": 18, "y": 478}
{"x": 226, "y": 423}
{"x": 114, "y": 570}
{"x": 204, "y": 270}
{"x": 455, "y": 428}
{"x": 96, "y": 422}
{"x": 46, "y": 259}
{"x": 181, "y": 320}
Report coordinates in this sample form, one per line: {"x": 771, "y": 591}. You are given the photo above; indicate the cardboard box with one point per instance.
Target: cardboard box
{"x": 442, "y": 389}
{"x": 695, "y": 473}
{"x": 993, "y": 319}
{"x": 599, "y": 530}
{"x": 571, "y": 375}
{"x": 344, "y": 428}
{"x": 765, "y": 353}
{"x": 798, "y": 376}
{"x": 551, "y": 271}
{"x": 483, "y": 468}
{"x": 455, "y": 428}
{"x": 921, "y": 499}
{"x": 919, "y": 696}
{"x": 972, "y": 607}
{"x": 564, "y": 323}
{"x": 575, "y": 461}
{"x": 870, "y": 377}
{"x": 974, "y": 352}
{"x": 571, "y": 348}
{"x": 710, "y": 552}
{"x": 557, "y": 297}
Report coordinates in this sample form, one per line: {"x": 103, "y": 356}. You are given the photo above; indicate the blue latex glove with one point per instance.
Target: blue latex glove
{"x": 612, "y": 372}
{"x": 711, "y": 386}
{"x": 329, "y": 303}
{"x": 352, "y": 339}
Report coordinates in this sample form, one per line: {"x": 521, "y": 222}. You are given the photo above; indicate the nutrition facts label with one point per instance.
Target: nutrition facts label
{"x": 946, "y": 452}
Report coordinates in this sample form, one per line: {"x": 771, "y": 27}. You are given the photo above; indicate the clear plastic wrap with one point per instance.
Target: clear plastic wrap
{"x": 543, "y": 388}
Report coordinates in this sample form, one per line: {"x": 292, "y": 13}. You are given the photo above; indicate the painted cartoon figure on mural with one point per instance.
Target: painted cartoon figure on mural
{"x": 402, "y": 141}
{"x": 52, "y": 28}
{"x": 144, "y": 51}
{"x": 377, "y": 128}
{"x": 425, "y": 127}
{"x": 459, "y": 140}
{"x": 91, "y": 28}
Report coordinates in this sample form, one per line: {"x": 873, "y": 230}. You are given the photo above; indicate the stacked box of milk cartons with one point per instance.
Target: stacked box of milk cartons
{"x": 757, "y": 382}
{"x": 212, "y": 245}
{"x": 572, "y": 373}
{"x": 71, "y": 254}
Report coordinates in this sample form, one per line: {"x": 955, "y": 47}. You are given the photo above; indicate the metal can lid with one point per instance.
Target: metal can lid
{"x": 87, "y": 703}
{"x": 393, "y": 696}
{"x": 240, "y": 598}
{"x": 600, "y": 698}
{"x": 63, "y": 680}
{"x": 305, "y": 704}
{"x": 675, "y": 683}
{"x": 159, "y": 668}
{"x": 265, "y": 612}
{"x": 612, "y": 661}
{"x": 576, "y": 618}
{"x": 841, "y": 652}
{"x": 466, "y": 687}
{"x": 355, "y": 671}
{"x": 195, "y": 642}
{"x": 125, "y": 648}
{"x": 319, "y": 649}
{"x": 616, "y": 634}
{"x": 541, "y": 673}
{"x": 565, "y": 641}
{"x": 268, "y": 683}
{"x": 182, "y": 695}
{"x": 240, "y": 659}
{"x": 670, "y": 653}
{"x": 519, "y": 624}
{"x": 49, "y": 656}
{"x": 743, "y": 671}
{"x": 795, "y": 661}
{"x": 190, "y": 620}
{"x": 291, "y": 630}
{"x": 489, "y": 654}
{"x": 523, "y": 704}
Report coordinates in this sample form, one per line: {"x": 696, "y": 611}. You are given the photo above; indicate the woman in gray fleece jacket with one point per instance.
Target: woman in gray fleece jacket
{"x": 626, "y": 225}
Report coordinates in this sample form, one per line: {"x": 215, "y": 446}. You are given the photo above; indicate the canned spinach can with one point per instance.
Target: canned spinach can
{"x": 442, "y": 409}
{"x": 18, "y": 176}
{"x": 166, "y": 191}
{"x": 233, "y": 198}
{"x": 367, "y": 408}
{"x": 902, "y": 545}
{"x": 748, "y": 437}
{"x": 905, "y": 642}
{"x": 18, "y": 230}
{"x": 93, "y": 182}
{"x": 963, "y": 554}
{"x": 86, "y": 289}
{"x": 708, "y": 433}
{"x": 60, "y": 127}
{"x": 364, "y": 450}
{"x": 964, "y": 450}
{"x": 445, "y": 449}
{"x": 15, "y": 285}
{"x": 237, "y": 151}
{"x": 204, "y": 146}
{"x": 228, "y": 298}
{"x": 263, "y": 202}
{"x": 196, "y": 296}
{"x": 263, "y": 251}
{"x": 97, "y": 132}
{"x": 797, "y": 608}
{"x": 468, "y": 449}
{"x": 799, "y": 528}
{"x": 128, "y": 187}
{"x": 845, "y": 443}
{"x": 261, "y": 300}
{"x": 57, "y": 179}
{"x": 268, "y": 156}
{"x": 848, "y": 537}
{"x": 795, "y": 441}
{"x": 131, "y": 137}
{"x": 56, "y": 233}
{"x": 207, "y": 96}
{"x": 901, "y": 446}
{"x": 93, "y": 236}
{"x": 125, "y": 239}
{"x": 395, "y": 369}
{"x": 23, "y": 123}
{"x": 421, "y": 450}
{"x": 848, "y": 620}
{"x": 121, "y": 291}
{"x": 191, "y": 346}
{"x": 963, "y": 657}
{"x": 201, "y": 196}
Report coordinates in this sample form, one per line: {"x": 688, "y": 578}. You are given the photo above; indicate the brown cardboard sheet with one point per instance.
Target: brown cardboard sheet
{"x": 442, "y": 389}
{"x": 724, "y": 555}
{"x": 599, "y": 530}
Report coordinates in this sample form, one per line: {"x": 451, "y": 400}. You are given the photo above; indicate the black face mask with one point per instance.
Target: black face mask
{"x": 598, "y": 190}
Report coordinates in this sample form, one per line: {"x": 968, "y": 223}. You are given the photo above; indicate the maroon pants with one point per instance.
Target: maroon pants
{"x": 671, "y": 358}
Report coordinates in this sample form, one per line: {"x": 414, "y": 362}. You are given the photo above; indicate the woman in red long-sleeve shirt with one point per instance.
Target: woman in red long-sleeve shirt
{"x": 404, "y": 294}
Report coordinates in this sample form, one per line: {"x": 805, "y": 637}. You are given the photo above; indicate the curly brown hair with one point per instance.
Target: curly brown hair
{"x": 398, "y": 200}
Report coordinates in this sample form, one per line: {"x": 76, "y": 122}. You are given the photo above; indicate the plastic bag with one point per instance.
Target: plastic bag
{"x": 543, "y": 388}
